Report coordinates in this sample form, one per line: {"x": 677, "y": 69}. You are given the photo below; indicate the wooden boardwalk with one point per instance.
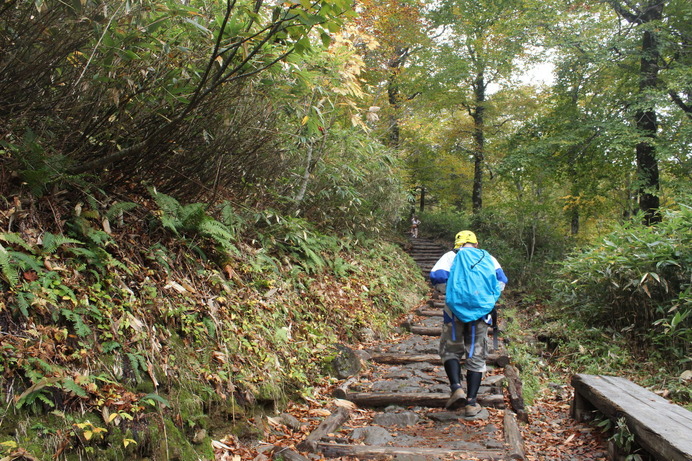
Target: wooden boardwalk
{"x": 660, "y": 427}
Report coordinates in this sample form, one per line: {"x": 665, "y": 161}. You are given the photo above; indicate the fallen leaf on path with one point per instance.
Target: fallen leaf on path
{"x": 345, "y": 404}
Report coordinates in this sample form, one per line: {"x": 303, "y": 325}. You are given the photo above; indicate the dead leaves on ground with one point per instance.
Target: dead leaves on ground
{"x": 553, "y": 435}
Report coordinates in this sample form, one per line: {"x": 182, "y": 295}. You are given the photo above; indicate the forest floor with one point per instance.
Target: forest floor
{"x": 549, "y": 435}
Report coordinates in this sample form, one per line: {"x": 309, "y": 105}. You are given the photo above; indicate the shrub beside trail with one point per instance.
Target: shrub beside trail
{"x": 147, "y": 327}
{"x": 637, "y": 281}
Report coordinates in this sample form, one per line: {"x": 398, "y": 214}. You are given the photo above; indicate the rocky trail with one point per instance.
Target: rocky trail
{"x": 393, "y": 408}
{"x": 407, "y": 387}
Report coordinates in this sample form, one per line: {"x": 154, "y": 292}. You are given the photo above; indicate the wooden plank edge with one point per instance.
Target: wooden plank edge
{"x": 513, "y": 437}
{"x": 287, "y": 454}
{"x": 375, "y": 452}
{"x": 587, "y": 395}
{"x": 342, "y": 390}
{"x": 401, "y": 359}
{"x": 514, "y": 388}
{"x": 425, "y": 331}
{"x": 500, "y": 359}
{"x": 382, "y": 399}
{"x": 328, "y": 425}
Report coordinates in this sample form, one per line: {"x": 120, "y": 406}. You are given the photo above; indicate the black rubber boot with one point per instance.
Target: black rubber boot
{"x": 473, "y": 383}
{"x": 453, "y": 370}
{"x": 458, "y": 398}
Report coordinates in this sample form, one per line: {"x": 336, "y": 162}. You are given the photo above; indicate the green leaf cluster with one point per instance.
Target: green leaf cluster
{"x": 192, "y": 220}
{"x": 637, "y": 280}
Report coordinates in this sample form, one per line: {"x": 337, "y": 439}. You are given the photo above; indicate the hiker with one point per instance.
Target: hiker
{"x": 414, "y": 226}
{"x": 472, "y": 281}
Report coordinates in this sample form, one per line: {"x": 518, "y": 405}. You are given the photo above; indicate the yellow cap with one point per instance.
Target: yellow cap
{"x": 464, "y": 237}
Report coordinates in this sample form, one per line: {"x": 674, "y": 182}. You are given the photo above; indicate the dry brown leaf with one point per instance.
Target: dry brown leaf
{"x": 106, "y": 226}
{"x": 219, "y": 356}
{"x": 319, "y": 412}
{"x": 220, "y": 445}
{"x": 274, "y": 421}
{"x": 345, "y": 404}
{"x": 176, "y": 286}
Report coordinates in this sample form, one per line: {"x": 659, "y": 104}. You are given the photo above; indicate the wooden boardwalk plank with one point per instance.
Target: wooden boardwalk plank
{"x": 660, "y": 427}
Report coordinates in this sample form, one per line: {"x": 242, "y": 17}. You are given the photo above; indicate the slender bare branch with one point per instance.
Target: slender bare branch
{"x": 680, "y": 103}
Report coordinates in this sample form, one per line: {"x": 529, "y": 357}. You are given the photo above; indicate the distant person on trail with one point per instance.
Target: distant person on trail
{"x": 472, "y": 281}
{"x": 414, "y": 226}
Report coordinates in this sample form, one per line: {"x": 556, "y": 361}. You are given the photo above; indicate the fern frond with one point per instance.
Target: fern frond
{"x": 119, "y": 208}
{"x": 114, "y": 263}
{"x": 52, "y": 242}
{"x": 230, "y": 218}
{"x": 29, "y": 396}
{"x": 83, "y": 253}
{"x": 43, "y": 398}
{"x": 80, "y": 328}
{"x": 8, "y": 270}
{"x": 70, "y": 385}
{"x": 24, "y": 300}
{"x": 212, "y": 227}
{"x": 170, "y": 211}
{"x": 138, "y": 363}
{"x": 192, "y": 216}
{"x": 25, "y": 261}
{"x": 219, "y": 233}
{"x": 172, "y": 223}
{"x": 11, "y": 237}
{"x": 99, "y": 237}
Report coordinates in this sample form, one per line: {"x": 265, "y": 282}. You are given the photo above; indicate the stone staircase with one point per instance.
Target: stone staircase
{"x": 394, "y": 407}
{"x": 425, "y": 253}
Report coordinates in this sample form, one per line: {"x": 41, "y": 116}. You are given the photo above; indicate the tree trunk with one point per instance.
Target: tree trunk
{"x": 306, "y": 175}
{"x": 647, "y": 124}
{"x": 574, "y": 206}
{"x": 479, "y": 142}
{"x": 422, "y": 199}
{"x": 574, "y": 221}
{"x": 393, "y": 94}
{"x": 647, "y": 163}
{"x": 394, "y": 98}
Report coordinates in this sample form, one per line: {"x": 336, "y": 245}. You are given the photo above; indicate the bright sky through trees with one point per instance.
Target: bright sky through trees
{"x": 539, "y": 74}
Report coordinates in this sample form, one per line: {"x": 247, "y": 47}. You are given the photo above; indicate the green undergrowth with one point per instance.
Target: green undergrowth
{"x": 637, "y": 281}
{"x": 549, "y": 346}
{"x": 144, "y": 329}
{"x": 620, "y": 305}
{"x": 525, "y": 247}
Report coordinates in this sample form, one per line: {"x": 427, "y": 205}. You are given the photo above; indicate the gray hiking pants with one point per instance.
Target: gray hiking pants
{"x": 471, "y": 342}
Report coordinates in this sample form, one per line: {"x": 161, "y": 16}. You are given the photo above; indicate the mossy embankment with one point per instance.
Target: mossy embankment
{"x": 144, "y": 329}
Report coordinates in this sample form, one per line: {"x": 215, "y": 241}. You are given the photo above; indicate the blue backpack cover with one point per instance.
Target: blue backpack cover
{"x": 472, "y": 287}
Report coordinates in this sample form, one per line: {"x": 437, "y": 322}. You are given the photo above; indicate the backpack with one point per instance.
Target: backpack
{"x": 472, "y": 287}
